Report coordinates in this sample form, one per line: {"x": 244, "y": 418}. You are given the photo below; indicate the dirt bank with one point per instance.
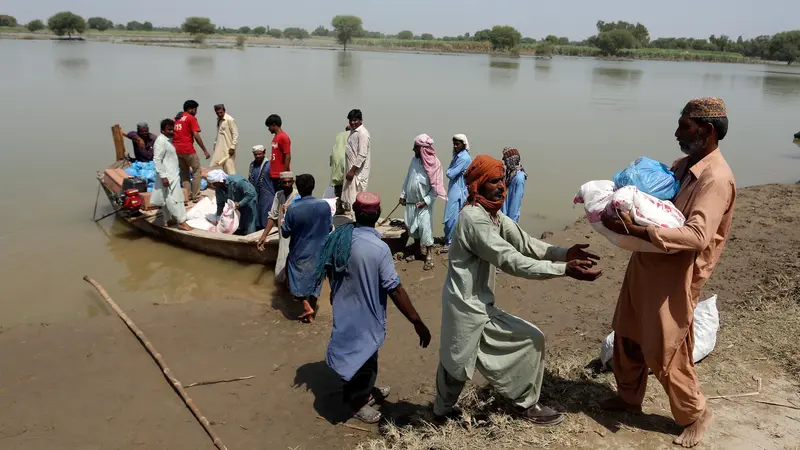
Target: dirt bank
{"x": 89, "y": 384}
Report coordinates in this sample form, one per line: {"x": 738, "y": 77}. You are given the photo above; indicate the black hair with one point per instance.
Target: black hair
{"x": 274, "y": 119}
{"x": 305, "y": 184}
{"x": 719, "y": 123}
{"x": 190, "y": 104}
{"x": 355, "y": 114}
{"x": 166, "y": 122}
{"x": 179, "y": 115}
{"x": 367, "y": 218}
{"x": 220, "y": 106}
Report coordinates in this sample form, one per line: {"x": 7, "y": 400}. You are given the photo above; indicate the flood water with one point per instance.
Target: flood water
{"x": 573, "y": 120}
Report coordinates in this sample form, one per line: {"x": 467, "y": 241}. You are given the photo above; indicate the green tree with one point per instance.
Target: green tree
{"x": 785, "y": 46}
{"x": 320, "y": 31}
{"x": 528, "y": 40}
{"x": 483, "y": 35}
{"x": 198, "y": 25}
{"x": 639, "y": 32}
{"x": 295, "y": 33}
{"x": 119, "y": 26}
{"x": 7, "y": 21}
{"x": 240, "y": 40}
{"x": 260, "y": 31}
{"x": 35, "y": 25}
{"x": 553, "y": 39}
{"x": 133, "y": 26}
{"x": 244, "y": 30}
{"x": 427, "y": 37}
{"x": 611, "y": 42}
{"x": 563, "y": 40}
{"x": 99, "y": 23}
{"x": 147, "y": 26}
{"x": 545, "y": 48}
{"x": 405, "y": 35}
{"x": 721, "y": 43}
{"x": 345, "y": 28}
{"x": 67, "y": 23}
{"x": 505, "y": 37}
{"x": 275, "y": 32}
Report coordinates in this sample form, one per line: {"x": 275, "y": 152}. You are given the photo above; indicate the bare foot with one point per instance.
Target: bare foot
{"x": 183, "y": 226}
{"x": 308, "y": 313}
{"x": 693, "y": 434}
{"x": 617, "y": 404}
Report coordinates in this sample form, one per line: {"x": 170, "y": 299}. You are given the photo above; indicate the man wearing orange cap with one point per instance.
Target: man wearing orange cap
{"x": 653, "y": 322}
{"x": 476, "y": 334}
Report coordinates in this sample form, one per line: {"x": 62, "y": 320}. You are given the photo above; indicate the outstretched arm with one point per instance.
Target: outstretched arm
{"x": 400, "y": 298}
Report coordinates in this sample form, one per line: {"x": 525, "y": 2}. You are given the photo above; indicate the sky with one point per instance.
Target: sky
{"x": 575, "y": 19}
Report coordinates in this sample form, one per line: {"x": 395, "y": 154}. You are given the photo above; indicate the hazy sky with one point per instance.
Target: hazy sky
{"x": 573, "y": 18}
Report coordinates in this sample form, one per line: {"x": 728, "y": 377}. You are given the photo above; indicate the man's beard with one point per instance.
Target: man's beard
{"x": 695, "y": 146}
{"x": 287, "y": 190}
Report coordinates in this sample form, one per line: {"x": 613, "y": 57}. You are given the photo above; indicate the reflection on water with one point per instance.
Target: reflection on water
{"x": 347, "y": 69}
{"x": 612, "y": 86}
{"x": 543, "y": 68}
{"x": 503, "y": 71}
{"x": 616, "y": 76}
{"x": 74, "y": 66}
{"x": 781, "y": 85}
{"x": 202, "y": 64}
{"x": 712, "y": 80}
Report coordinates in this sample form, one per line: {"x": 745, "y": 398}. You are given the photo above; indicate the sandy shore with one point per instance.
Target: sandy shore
{"x": 89, "y": 384}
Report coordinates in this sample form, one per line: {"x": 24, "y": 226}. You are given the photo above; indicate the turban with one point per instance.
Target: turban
{"x": 258, "y": 148}
{"x": 287, "y": 176}
{"x": 483, "y": 169}
{"x": 705, "y": 108}
{"x": 217, "y": 176}
{"x": 462, "y": 138}
{"x": 367, "y": 202}
{"x": 431, "y": 164}
{"x": 512, "y": 162}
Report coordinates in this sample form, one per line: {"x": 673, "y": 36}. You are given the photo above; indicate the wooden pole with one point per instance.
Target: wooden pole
{"x": 390, "y": 215}
{"x": 119, "y": 142}
{"x": 176, "y": 385}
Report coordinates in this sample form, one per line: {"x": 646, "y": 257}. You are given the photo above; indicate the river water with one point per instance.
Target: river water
{"x": 573, "y": 120}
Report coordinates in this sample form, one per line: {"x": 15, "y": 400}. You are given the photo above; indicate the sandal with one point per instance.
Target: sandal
{"x": 542, "y": 415}
{"x": 428, "y": 265}
{"x": 444, "y": 249}
{"x": 368, "y": 414}
{"x": 378, "y": 395}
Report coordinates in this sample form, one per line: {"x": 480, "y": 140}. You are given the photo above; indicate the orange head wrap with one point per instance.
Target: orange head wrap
{"x": 483, "y": 169}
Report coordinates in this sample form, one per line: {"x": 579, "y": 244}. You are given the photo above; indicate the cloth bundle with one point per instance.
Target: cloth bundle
{"x": 203, "y": 217}
{"x": 650, "y": 177}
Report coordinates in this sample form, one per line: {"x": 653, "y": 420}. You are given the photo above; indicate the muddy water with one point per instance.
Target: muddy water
{"x": 572, "y": 119}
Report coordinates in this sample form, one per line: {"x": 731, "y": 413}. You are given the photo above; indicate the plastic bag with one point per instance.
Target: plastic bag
{"x": 145, "y": 170}
{"x": 650, "y": 177}
{"x": 228, "y": 222}
{"x": 706, "y": 326}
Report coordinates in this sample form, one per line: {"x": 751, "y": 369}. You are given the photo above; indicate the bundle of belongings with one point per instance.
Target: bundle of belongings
{"x": 643, "y": 190}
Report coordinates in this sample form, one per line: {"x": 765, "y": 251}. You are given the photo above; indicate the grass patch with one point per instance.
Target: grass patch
{"x": 680, "y": 55}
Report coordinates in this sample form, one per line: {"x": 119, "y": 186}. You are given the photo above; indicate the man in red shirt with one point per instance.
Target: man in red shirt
{"x": 281, "y": 150}
{"x": 187, "y": 132}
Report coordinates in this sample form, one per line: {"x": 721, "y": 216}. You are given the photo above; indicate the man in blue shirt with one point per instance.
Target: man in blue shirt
{"x": 361, "y": 271}
{"x": 515, "y": 183}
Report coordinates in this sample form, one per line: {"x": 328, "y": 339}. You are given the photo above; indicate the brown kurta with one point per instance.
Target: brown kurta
{"x": 653, "y": 322}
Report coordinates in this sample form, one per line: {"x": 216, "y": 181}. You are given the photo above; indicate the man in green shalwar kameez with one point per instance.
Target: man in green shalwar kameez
{"x": 508, "y": 351}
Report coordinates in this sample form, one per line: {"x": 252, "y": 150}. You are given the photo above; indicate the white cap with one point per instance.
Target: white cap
{"x": 258, "y": 148}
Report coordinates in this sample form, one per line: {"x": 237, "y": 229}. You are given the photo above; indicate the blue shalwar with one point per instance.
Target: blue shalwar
{"x": 242, "y": 192}
{"x": 265, "y": 191}
{"x": 516, "y": 189}
{"x": 359, "y": 297}
{"x": 308, "y": 221}
{"x": 456, "y": 192}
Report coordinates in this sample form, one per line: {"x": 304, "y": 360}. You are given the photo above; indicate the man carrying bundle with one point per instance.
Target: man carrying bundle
{"x": 507, "y": 350}
{"x": 654, "y": 320}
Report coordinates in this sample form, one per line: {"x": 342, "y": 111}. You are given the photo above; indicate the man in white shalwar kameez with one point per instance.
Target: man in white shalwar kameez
{"x": 357, "y": 161}
{"x": 283, "y": 199}
{"x": 168, "y": 191}
{"x": 476, "y": 334}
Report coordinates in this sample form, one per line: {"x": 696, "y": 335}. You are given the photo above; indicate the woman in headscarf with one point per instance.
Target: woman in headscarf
{"x": 457, "y": 189}
{"x": 241, "y": 192}
{"x": 515, "y": 183}
{"x": 424, "y": 182}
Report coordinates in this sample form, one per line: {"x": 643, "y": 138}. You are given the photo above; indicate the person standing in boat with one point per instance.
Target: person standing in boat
{"x": 187, "y": 132}
{"x": 281, "y": 154}
{"x": 308, "y": 222}
{"x": 361, "y": 272}
{"x": 357, "y": 161}
{"x": 169, "y": 186}
{"x": 456, "y": 190}
{"x": 227, "y": 138}
{"x": 258, "y": 176}
{"x": 515, "y": 183}
{"x": 142, "y": 140}
{"x": 285, "y": 197}
{"x": 234, "y": 187}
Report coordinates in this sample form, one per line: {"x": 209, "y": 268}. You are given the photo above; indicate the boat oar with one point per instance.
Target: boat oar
{"x": 390, "y": 215}
{"x": 176, "y": 385}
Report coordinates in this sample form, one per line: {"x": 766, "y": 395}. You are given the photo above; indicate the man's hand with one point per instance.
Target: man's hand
{"x": 423, "y": 333}
{"x": 581, "y": 270}
{"x": 351, "y": 173}
{"x": 262, "y": 243}
{"x": 232, "y": 151}
{"x": 402, "y": 201}
{"x": 236, "y": 206}
{"x": 165, "y": 182}
{"x": 207, "y": 155}
{"x": 619, "y": 225}
{"x": 577, "y": 252}
{"x": 421, "y": 205}
{"x": 139, "y": 141}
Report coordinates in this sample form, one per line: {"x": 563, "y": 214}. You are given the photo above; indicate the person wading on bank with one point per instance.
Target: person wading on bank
{"x": 457, "y": 189}
{"x": 241, "y": 192}
{"x": 653, "y": 323}
{"x": 515, "y": 183}
{"x": 424, "y": 182}
{"x": 361, "y": 271}
{"x": 277, "y": 213}
{"x": 227, "y": 138}
{"x": 187, "y": 132}
{"x": 258, "y": 176}
{"x": 337, "y": 166}
{"x": 142, "y": 141}
{"x": 476, "y": 334}
{"x": 357, "y": 161}
{"x": 281, "y": 153}
{"x": 308, "y": 222}
{"x": 168, "y": 190}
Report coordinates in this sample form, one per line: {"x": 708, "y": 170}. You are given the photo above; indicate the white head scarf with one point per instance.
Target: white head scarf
{"x": 258, "y": 148}
{"x": 462, "y": 138}
{"x": 217, "y": 176}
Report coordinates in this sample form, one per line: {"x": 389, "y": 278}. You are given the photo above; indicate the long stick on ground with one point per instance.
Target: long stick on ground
{"x": 226, "y": 380}
{"x": 176, "y": 385}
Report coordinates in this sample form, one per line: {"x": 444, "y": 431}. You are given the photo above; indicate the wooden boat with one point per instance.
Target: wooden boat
{"x": 240, "y": 248}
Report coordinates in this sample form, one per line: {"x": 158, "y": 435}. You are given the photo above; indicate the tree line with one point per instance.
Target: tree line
{"x": 611, "y": 37}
